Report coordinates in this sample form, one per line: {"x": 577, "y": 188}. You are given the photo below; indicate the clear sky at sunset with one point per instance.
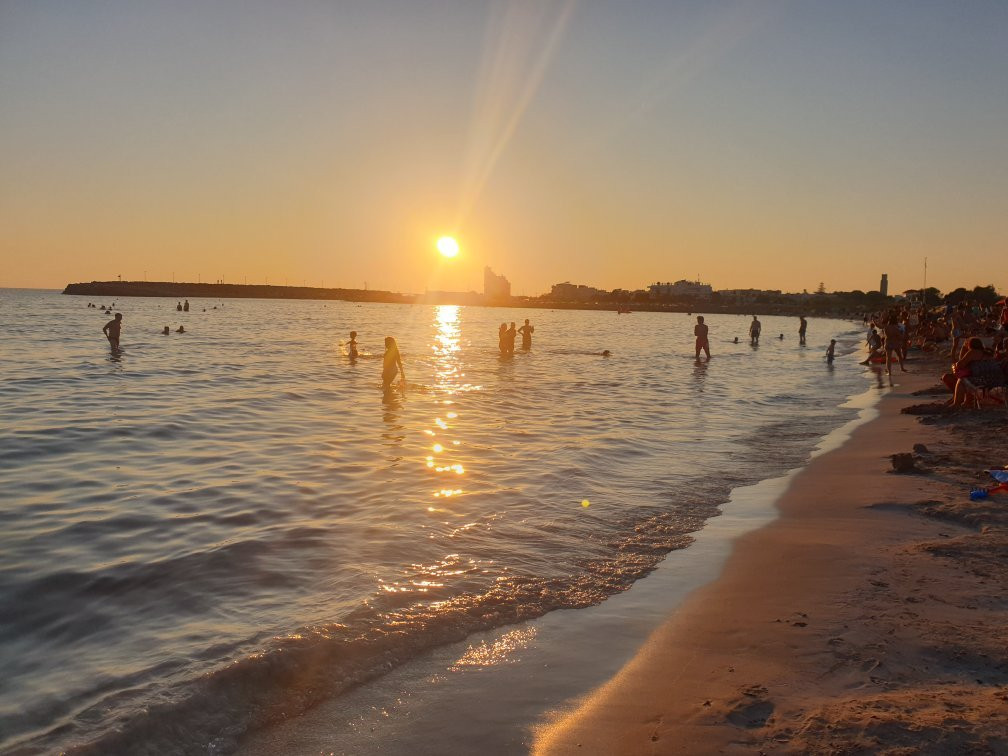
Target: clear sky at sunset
{"x": 750, "y": 144}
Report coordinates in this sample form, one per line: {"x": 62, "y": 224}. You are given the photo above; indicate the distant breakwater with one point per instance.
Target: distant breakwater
{"x": 174, "y": 290}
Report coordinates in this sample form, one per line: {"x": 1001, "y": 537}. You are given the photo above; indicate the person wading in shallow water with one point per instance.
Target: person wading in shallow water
{"x": 526, "y": 334}
{"x": 801, "y": 329}
{"x": 754, "y": 330}
{"x": 391, "y": 364}
{"x": 702, "y": 343}
{"x": 111, "y": 331}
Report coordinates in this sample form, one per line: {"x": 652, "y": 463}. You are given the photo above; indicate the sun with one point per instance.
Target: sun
{"x": 447, "y": 246}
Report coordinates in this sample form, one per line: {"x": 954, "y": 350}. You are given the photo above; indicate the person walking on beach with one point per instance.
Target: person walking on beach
{"x": 754, "y": 330}
{"x": 801, "y": 330}
{"x": 893, "y": 343}
{"x": 111, "y": 331}
{"x": 391, "y": 364}
{"x": 702, "y": 342}
{"x": 526, "y": 332}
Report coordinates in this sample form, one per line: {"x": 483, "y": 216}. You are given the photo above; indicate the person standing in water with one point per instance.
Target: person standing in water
{"x": 754, "y": 330}
{"x": 510, "y": 338}
{"x": 391, "y": 364}
{"x": 801, "y": 330}
{"x": 526, "y": 332}
{"x": 351, "y": 349}
{"x": 111, "y": 331}
{"x": 178, "y": 307}
{"x": 702, "y": 343}
{"x": 502, "y": 338}
{"x": 185, "y": 307}
{"x": 831, "y": 351}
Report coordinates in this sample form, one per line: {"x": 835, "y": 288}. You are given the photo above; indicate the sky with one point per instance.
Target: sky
{"x": 768, "y": 144}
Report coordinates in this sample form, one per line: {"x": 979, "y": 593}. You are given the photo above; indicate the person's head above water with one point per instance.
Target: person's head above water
{"x": 166, "y": 331}
{"x": 606, "y": 352}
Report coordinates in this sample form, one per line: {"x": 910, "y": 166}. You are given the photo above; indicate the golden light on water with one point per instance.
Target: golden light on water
{"x": 447, "y": 246}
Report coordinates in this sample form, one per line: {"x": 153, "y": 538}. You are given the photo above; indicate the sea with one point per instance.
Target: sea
{"x": 211, "y": 532}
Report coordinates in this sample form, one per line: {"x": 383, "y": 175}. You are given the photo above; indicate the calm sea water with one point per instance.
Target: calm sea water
{"x": 215, "y": 530}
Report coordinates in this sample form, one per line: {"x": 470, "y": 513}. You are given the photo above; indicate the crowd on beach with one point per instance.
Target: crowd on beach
{"x": 974, "y": 335}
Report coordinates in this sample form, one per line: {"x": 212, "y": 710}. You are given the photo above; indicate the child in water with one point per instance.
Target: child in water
{"x": 391, "y": 363}
{"x": 830, "y": 350}
{"x": 352, "y": 346}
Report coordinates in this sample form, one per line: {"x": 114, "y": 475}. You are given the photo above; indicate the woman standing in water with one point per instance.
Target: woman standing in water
{"x": 391, "y": 364}
{"x": 502, "y": 338}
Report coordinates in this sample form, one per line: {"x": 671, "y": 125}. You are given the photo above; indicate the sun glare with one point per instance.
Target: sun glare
{"x": 447, "y": 246}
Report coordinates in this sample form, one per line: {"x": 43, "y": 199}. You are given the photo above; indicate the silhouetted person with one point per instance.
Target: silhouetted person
{"x": 801, "y": 329}
{"x": 111, "y": 331}
{"x": 831, "y": 351}
{"x": 180, "y": 329}
{"x": 502, "y": 338}
{"x": 754, "y": 330}
{"x": 526, "y": 332}
{"x": 351, "y": 348}
{"x": 185, "y": 307}
{"x": 391, "y": 364}
{"x": 702, "y": 343}
{"x": 166, "y": 331}
{"x": 178, "y": 307}
{"x": 512, "y": 332}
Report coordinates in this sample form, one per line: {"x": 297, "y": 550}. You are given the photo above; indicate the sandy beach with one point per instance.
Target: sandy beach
{"x": 870, "y": 617}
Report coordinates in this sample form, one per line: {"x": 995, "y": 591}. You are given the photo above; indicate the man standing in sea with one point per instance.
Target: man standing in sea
{"x": 801, "y": 330}
{"x": 702, "y": 343}
{"x": 754, "y": 330}
{"x": 111, "y": 331}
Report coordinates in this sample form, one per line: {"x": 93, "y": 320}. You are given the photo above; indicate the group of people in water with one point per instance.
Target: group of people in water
{"x": 506, "y": 337}
{"x": 701, "y": 332}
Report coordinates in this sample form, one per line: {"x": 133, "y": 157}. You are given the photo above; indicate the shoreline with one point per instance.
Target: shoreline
{"x": 868, "y": 615}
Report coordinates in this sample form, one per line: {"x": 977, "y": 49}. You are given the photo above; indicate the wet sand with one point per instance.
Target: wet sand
{"x": 872, "y": 616}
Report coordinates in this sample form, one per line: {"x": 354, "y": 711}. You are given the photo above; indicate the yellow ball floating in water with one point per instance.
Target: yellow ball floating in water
{"x": 585, "y": 503}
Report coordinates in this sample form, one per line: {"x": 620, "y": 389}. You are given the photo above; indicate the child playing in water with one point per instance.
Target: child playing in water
{"x": 391, "y": 363}
{"x": 352, "y": 346}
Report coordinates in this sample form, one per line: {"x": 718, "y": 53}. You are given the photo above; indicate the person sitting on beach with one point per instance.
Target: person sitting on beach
{"x": 180, "y": 329}
{"x": 754, "y": 330}
{"x": 111, "y": 331}
{"x": 801, "y": 329}
{"x": 700, "y": 330}
{"x": 391, "y": 364}
{"x": 526, "y": 334}
{"x": 831, "y": 351}
{"x": 972, "y": 351}
{"x": 502, "y": 338}
{"x": 509, "y": 341}
{"x": 166, "y": 331}
{"x": 352, "y": 346}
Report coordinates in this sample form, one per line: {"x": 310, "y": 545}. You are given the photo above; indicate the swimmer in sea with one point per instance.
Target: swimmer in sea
{"x": 700, "y": 331}
{"x": 351, "y": 348}
{"x": 605, "y": 353}
{"x": 391, "y": 364}
{"x": 180, "y": 329}
{"x": 111, "y": 331}
{"x": 830, "y": 351}
{"x": 166, "y": 331}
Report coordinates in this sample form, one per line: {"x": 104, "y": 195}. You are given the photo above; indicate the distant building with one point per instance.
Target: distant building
{"x": 568, "y": 292}
{"x": 494, "y": 286}
{"x": 680, "y": 289}
{"x": 884, "y": 285}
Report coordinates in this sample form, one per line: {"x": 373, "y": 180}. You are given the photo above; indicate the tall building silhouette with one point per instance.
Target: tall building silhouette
{"x": 494, "y": 286}
{"x": 884, "y": 285}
